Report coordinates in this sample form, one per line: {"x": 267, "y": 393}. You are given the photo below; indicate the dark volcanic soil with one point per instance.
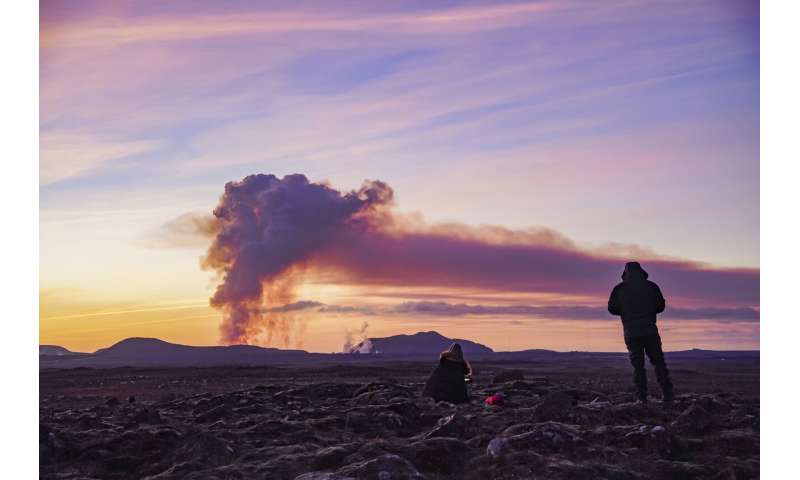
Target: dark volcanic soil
{"x": 565, "y": 420}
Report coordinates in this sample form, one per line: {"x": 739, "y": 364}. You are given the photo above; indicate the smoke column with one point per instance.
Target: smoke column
{"x": 266, "y": 229}
{"x": 349, "y": 343}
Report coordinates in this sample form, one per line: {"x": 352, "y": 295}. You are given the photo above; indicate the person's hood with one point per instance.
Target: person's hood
{"x": 634, "y": 271}
{"x": 454, "y": 353}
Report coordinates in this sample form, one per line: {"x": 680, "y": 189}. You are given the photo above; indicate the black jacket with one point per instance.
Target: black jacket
{"x": 447, "y": 381}
{"x": 637, "y": 300}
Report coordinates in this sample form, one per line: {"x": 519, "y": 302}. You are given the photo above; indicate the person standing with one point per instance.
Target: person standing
{"x": 638, "y": 300}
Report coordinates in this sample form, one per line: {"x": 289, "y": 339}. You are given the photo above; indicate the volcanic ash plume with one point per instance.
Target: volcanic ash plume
{"x": 266, "y": 230}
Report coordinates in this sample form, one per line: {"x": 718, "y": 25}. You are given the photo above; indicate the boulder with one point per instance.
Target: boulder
{"x": 497, "y": 447}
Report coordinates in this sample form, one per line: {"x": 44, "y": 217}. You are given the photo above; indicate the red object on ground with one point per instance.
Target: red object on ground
{"x": 495, "y": 399}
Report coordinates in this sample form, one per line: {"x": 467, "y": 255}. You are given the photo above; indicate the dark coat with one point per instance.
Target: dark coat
{"x": 446, "y": 382}
{"x": 637, "y": 300}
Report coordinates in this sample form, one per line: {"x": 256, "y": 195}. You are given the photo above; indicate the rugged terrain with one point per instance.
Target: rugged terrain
{"x": 564, "y": 418}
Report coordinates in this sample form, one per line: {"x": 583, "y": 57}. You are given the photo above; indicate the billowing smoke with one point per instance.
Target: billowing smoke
{"x": 358, "y": 338}
{"x": 266, "y": 230}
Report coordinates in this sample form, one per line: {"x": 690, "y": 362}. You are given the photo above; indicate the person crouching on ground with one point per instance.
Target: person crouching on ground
{"x": 638, "y": 300}
{"x": 448, "y": 380}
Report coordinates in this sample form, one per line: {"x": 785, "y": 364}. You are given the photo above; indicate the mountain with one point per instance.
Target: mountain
{"x": 55, "y": 350}
{"x": 421, "y": 343}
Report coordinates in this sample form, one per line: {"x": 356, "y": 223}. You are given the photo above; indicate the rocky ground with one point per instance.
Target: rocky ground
{"x": 359, "y": 422}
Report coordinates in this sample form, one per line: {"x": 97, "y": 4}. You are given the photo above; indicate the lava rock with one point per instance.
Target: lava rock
{"x": 439, "y": 455}
{"x": 497, "y": 447}
{"x": 330, "y": 457}
{"x": 683, "y": 470}
{"x": 739, "y": 441}
{"x": 555, "y": 406}
{"x": 549, "y": 436}
{"x": 208, "y": 449}
{"x": 453, "y": 425}
{"x": 508, "y": 376}
{"x": 695, "y": 419}
{"x": 714, "y": 404}
{"x": 654, "y": 439}
{"x": 385, "y": 467}
{"x": 300, "y": 427}
{"x": 322, "y": 476}
{"x": 517, "y": 429}
{"x": 148, "y": 416}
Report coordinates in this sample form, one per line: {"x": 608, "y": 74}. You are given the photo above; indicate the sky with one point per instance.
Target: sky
{"x": 544, "y": 136}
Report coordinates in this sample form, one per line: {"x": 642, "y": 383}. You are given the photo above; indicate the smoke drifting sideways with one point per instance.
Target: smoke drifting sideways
{"x": 267, "y": 232}
{"x": 266, "y": 229}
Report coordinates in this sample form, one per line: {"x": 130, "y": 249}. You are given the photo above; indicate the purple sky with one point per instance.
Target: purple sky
{"x": 613, "y": 123}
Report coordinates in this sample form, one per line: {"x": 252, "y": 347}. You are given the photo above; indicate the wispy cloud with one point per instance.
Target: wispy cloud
{"x": 558, "y": 312}
{"x": 143, "y": 309}
{"x": 66, "y": 155}
{"x": 189, "y": 26}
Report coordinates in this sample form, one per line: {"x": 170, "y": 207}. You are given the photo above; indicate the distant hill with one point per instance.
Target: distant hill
{"x": 55, "y": 350}
{"x": 426, "y": 346}
{"x": 421, "y": 343}
{"x": 718, "y": 354}
{"x": 152, "y": 351}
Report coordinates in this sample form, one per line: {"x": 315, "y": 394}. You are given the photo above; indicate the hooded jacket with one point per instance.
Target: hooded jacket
{"x": 446, "y": 382}
{"x": 637, "y": 300}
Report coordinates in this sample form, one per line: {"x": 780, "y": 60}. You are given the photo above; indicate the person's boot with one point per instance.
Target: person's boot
{"x": 641, "y": 397}
{"x": 640, "y": 382}
{"x": 665, "y": 383}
